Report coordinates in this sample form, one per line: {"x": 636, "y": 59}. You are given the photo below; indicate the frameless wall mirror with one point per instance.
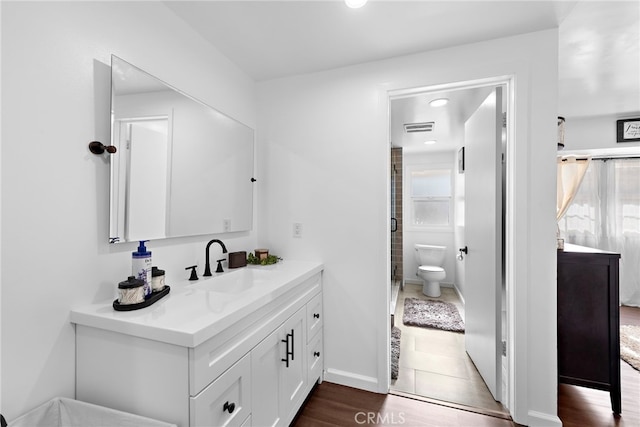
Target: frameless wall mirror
{"x": 182, "y": 168}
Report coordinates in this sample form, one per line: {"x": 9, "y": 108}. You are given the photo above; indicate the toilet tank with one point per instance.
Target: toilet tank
{"x": 430, "y": 254}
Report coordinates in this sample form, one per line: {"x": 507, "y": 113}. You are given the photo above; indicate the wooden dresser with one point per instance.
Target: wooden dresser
{"x": 589, "y": 320}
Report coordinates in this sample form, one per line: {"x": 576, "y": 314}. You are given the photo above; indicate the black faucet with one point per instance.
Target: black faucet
{"x": 207, "y": 267}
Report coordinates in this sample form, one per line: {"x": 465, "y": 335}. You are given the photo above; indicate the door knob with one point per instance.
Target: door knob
{"x": 460, "y": 256}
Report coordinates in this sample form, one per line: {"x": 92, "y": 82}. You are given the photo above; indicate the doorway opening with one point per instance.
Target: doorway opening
{"x": 434, "y": 152}
{"x": 139, "y": 178}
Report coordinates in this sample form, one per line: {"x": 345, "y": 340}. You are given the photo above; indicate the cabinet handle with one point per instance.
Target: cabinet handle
{"x": 293, "y": 349}
{"x": 229, "y": 407}
{"x": 316, "y": 353}
{"x": 286, "y": 360}
{"x": 288, "y": 352}
{"x": 316, "y": 315}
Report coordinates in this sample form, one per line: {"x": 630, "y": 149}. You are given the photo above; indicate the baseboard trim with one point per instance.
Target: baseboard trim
{"x": 459, "y": 293}
{"x": 543, "y": 420}
{"x": 351, "y": 379}
{"x": 419, "y": 282}
{"x": 460, "y": 407}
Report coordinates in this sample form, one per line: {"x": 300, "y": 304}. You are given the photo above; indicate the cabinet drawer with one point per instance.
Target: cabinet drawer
{"x": 315, "y": 357}
{"x": 314, "y": 316}
{"x": 227, "y": 400}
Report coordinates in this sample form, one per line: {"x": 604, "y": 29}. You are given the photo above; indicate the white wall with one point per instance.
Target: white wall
{"x": 324, "y": 156}
{"x": 55, "y": 100}
{"x": 595, "y": 132}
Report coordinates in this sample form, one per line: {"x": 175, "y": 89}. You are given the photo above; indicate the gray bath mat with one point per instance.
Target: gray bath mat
{"x": 395, "y": 352}
{"x": 432, "y": 314}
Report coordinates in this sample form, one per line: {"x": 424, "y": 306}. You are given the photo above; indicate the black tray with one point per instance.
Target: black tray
{"x": 155, "y": 296}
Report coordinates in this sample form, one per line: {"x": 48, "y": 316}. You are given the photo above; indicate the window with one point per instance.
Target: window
{"x": 430, "y": 196}
{"x": 627, "y": 194}
{"x": 605, "y": 214}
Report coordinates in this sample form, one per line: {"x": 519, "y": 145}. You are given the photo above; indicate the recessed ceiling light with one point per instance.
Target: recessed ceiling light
{"x": 439, "y": 102}
{"x": 430, "y": 141}
{"x": 355, "y": 4}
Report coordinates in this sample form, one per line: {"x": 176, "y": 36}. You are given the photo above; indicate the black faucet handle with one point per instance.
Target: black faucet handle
{"x": 219, "y": 268}
{"x": 194, "y": 273}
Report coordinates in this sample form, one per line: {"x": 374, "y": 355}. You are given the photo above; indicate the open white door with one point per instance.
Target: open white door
{"x": 148, "y": 149}
{"x": 483, "y": 238}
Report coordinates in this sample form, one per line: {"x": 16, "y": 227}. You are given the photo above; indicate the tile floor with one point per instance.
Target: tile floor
{"x": 434, "y": 363}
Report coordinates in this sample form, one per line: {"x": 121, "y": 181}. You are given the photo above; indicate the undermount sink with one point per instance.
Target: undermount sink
{"x": 233, "y": 282}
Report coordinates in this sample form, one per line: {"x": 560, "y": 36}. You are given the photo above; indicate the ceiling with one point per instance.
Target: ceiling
{"x": 599, "y": 41}
{"x": 271, "y": 39}
{"x": 448, "y": 121}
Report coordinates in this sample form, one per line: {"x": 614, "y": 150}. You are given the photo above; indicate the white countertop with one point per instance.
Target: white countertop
{"x": 195, "y": 311}
{"x": 568, "y": 247}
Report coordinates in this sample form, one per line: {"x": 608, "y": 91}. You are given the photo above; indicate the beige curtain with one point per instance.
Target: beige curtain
{"x": 570, "y": 174}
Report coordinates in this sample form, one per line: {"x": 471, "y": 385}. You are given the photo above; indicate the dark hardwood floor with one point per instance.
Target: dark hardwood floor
{"x": 335, "y": 405}
{"x": 630, "y": 315}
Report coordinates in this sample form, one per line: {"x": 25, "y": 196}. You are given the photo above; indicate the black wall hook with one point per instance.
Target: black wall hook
{"x": 97, "y": 147}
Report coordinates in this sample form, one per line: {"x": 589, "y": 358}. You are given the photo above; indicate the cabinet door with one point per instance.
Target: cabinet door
{"x": 226, "y": 401}
{"x": 293, "y": 375}
{"x": 278, "y": 373}
{"x": 265, "y": 367}
{"x": 583, "y": 322}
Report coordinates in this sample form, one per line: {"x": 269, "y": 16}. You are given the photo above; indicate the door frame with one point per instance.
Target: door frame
{"x": 509, "y": 200}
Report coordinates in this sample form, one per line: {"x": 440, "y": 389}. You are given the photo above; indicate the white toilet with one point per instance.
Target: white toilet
{"x": 430, "y": 259}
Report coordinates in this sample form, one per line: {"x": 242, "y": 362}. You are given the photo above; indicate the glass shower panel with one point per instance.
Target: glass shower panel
{"x": 396, "y": 217}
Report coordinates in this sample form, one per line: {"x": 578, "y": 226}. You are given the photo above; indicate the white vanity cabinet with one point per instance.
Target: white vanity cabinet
{"x": 279, "y": 369}
{"x": 253, "y": 369}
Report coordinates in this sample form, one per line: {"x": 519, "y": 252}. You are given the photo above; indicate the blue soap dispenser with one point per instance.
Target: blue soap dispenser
{"x": 141, "y": 266}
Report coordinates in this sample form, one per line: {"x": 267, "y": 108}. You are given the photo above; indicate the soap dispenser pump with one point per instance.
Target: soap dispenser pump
{"x": 141, "y": 266}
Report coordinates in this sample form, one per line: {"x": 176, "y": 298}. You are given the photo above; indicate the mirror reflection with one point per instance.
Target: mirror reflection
{"x": 182, "y": 168}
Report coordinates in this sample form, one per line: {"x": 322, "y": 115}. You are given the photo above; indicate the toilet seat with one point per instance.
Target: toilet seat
{"x": 430, "y": 268}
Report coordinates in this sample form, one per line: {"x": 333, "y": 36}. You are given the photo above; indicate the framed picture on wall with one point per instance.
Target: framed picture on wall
{"x": 628, "y": 130}
{"x": 461, "y": 160}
